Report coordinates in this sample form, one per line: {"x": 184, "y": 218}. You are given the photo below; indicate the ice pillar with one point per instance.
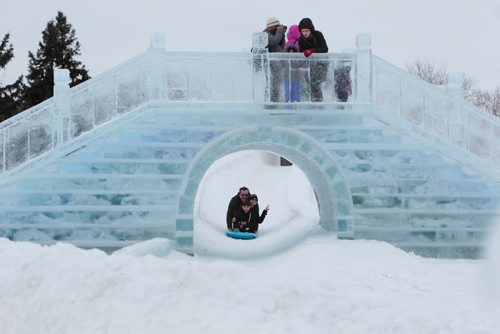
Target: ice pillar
{"x": 364, "y": 68}
{"x": 456, "y": 118}
{"x": 260, "y": 64}
{"x": 60, "y": 131}
{"x": 157, "y": 66}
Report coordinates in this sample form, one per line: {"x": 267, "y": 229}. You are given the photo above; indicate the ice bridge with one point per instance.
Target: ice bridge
{"x": 119, "y": 158}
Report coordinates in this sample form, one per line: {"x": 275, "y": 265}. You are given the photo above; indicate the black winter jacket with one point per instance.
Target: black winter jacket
{"x": 248, "y": 221}
{"x": 315, "y": 40}
{"x": 242, "y": 219}
{"x": 256, "y": 219}
{"x": 234, "y": 205}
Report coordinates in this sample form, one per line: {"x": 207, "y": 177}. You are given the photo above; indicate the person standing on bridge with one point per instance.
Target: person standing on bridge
{"x": 312, "y": 41}
{"x": 276, "y": 43}
{"x": 293, "y": 69}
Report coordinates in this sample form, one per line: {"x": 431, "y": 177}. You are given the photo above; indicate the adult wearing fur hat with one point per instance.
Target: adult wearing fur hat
{"x": 276, "y": 35}
{"x": 276, "y": 43}
{"x": 312, "y": 41}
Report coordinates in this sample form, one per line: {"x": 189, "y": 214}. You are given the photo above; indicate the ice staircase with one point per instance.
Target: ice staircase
{"x": 118, "y": 159}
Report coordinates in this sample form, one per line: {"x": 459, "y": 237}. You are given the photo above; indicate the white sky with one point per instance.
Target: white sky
{"x": 288, "y": 283}
{"x": 463, "y": 35}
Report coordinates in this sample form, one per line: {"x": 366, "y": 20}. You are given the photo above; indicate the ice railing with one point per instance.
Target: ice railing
{"x": 438, "y": 110}
{"x": 72, "y": 112}
{"x": 250, "y": 77}
{"x": 243, "y": 77}
{"x": 158, "y": 75}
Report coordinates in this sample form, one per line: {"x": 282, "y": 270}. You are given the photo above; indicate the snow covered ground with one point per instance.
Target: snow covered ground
{"x": 293, "y": 278}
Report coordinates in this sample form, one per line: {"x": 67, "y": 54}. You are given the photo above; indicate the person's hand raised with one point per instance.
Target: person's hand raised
{"x": 281, "y": 28}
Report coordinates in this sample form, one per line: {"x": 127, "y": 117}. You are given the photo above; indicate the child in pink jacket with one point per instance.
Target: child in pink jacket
{"x": 293, "y": 73}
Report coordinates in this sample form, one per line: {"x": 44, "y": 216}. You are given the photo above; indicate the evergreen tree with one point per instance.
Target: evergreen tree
{"x": 6, "y": 51}
{"x": 58, "y": 49}
{"x": 10, "y": 95}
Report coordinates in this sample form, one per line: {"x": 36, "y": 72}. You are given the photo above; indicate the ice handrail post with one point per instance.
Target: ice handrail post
{"x": 62, "y": 106}
{"x": 457, "y": 119}
{"x": 260, "y": 65}
{"x": 157, "y": 65}
{"x": 364, "y": 70}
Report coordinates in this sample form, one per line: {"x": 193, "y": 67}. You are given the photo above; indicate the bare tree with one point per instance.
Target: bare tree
{"x": 472, "y": 93}
{"x": 429, "y": 72}
{"x": 494, "y": 106}
{"x": 471, "y": 88}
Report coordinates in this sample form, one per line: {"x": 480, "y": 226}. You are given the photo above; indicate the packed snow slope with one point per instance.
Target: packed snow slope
{"x": 322, "y": 285}
{"x": 294, "y": 278}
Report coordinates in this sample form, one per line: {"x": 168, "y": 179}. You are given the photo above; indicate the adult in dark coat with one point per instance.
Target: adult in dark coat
{"x": 275, "y": 35}
{"x": 312, "y": 41}
{"x": 276, "y": 43}
{"x": 343, "y": 84}
{"x": 235, "y": 203}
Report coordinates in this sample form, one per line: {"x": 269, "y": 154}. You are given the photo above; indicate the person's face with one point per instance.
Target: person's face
{"x": 272, "y": 29}
{"x": 246, "y": 208}
{"x": 253, "y": 201}
{"x": 305, "y": 32}
{"x": 244, "y": 195}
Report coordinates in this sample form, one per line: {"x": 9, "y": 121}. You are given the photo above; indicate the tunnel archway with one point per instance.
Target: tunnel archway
{"x": 324, "y": 174}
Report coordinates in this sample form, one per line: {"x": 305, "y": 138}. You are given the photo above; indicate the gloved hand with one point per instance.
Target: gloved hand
{"x": 309, "y": 52}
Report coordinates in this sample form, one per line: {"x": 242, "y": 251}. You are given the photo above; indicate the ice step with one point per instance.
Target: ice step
{"x": 445, "y": 249}
{"x": 427, "y": 211}
{"x": 436, "y": 244}
{"x": 408, "y": 171}
{"x": 344, "y": 137}
{"x": 93, "y": 225}
{"x": 5, "y": 193}
{"x": 51, "y": 182}
{"x": 340, "y": 135}
{"x": 63, "y": 198}
{"x": 122, "y": 166}
{"x": 88, "y": 208}
{"x": 480, "y": 202}
{"x": 387, "y": 156}
{"x": 144, "y": 150}
{"x": 275, "y": 117}
{"x": 105, "y": 176}
{"x": 380, "y": 185}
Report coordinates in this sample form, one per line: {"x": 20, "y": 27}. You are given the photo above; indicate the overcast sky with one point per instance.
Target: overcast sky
{"x": 463, "y": 35}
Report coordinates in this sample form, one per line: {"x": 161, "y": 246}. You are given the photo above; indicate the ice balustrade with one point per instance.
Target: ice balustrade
{"x": 72, "y": 112}
{"x": 243, "y": 77}
{"x": 95, "y": 102}
{"x": 27, "y": 135}
{"x": 437, "y": 110}
{"x": 247, "y": 77}
{"x": 482, "y": 133}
